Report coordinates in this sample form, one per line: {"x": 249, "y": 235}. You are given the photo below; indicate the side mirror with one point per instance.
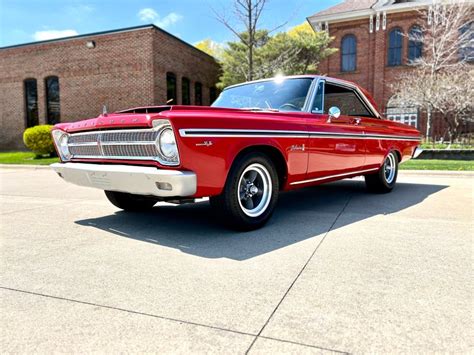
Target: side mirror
{"x": 334, "y": 112}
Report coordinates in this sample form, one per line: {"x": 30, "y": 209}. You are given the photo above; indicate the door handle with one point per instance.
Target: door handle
{"x": 356, "y": 121}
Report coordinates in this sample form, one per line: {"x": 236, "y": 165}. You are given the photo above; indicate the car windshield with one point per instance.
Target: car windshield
{"x": 281, "y": 95}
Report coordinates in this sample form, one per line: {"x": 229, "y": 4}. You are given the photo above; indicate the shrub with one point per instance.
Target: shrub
{"x": 38, "y": 139}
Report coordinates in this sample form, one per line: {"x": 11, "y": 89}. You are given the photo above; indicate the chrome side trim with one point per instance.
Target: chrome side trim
{"x": 211, "y": 132}
{"x": 394, "y": 138}
{"x": 333, "y": 176}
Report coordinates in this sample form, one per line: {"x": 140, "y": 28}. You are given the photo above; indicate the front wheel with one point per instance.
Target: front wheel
{"x": 130, "y": 202}
{"x": 385, "y": 178}
{"x": 250, "y": 193}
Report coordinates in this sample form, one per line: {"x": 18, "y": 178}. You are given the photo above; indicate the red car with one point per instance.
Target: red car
{"x": 257, "y": 139}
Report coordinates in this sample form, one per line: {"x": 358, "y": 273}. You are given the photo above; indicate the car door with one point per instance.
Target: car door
{"x": 337, "y": 145}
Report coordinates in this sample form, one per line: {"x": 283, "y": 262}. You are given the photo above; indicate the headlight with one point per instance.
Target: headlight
{"x": 61, "y": 140}
{"x": 167, "y": 144}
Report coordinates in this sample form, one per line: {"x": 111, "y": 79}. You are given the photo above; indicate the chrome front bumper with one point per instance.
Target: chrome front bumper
{"x": 132, "y": 179}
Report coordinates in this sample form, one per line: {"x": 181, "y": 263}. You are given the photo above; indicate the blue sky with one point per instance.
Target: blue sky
{"x": 23, "y": 21}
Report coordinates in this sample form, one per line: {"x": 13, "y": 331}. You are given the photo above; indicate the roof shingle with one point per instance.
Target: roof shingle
{"x": 346, "y": 6}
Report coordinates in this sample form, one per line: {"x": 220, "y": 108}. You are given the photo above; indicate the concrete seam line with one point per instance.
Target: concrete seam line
{"x": 162, "y": 317}
{"x": 126, "y": 310}
{"x": 297, "y": 277}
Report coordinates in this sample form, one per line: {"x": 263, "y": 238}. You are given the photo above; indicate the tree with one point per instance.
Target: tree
{"x": 297, "y": 51}
{"x": 455, "y": 98}
{"x": 436, "y": 82}
{"x": 305, "y": 49}
{"x": 210, "y": 47}
{"x": 450, "y": 94}
{"x": 248, "y": 12}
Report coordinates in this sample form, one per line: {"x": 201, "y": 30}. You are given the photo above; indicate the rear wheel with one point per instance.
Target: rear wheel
{"x": 250, "y": 193}
{"x": 385, "y": 178}
{"x": 130, "y": 202}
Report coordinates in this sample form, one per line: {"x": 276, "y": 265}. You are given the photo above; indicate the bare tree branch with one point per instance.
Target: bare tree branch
{"x": 441, "y": 80}
{"x": 248, "y": 13}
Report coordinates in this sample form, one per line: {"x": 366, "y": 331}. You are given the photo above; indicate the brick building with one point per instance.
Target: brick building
{"x": 69, "y": 79}
{"x": 375, "y": 48}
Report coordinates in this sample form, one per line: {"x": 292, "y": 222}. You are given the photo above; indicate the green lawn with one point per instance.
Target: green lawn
{"x": 426, "y": 145}
{"x": 417, "y": 164}
{"x": 25, "y": 158}
{"x": 433, "y": 164}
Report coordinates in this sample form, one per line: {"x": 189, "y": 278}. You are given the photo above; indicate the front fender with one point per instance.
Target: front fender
{"x": 212, "y": 158}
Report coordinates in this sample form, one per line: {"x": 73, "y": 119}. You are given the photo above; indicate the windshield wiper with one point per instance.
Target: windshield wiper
{"x": 260, "y": 109}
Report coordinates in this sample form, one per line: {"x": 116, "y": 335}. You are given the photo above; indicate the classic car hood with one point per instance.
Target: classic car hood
{"x": 144, "y": 116}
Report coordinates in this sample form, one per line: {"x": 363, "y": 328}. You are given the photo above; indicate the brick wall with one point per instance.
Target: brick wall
{"x": 372, "y": 71}
{"x": 125, "y": 69}
{"x": 172, "y": 56}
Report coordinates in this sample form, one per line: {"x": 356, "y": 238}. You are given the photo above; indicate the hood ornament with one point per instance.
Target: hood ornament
{"x": 104, "y": 110}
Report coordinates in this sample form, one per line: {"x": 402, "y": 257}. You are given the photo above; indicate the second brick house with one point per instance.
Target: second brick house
{"x": 375, "y": 47}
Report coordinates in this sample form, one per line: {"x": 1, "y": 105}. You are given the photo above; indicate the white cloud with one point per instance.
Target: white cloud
{"x": 150, "y": 15}
{"x": 52, "y": 34}
{"x": 169, "y": 20}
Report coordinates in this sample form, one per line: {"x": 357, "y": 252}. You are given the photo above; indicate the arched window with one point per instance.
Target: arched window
{"x": 395, "y": 46}
{"x": 415, "y": 43}
{"x": 198, "y": 94}
{"x": 171, "y": 89}
{"x": 348, "y": 53}
{"x": 51, "y": 84}
{"x": 31, "y": 102}
{"x": 185, "y": 91}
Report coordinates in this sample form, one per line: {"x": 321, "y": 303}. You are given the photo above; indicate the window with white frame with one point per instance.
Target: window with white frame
{"x": 405, "y": 115}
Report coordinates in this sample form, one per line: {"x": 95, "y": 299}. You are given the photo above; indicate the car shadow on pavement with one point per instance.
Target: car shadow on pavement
{"x": 300, "y": 214}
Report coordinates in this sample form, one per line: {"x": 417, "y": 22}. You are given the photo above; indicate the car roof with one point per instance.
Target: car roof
{"x": 307, "y": 76}
{"x": 363, "y": 91}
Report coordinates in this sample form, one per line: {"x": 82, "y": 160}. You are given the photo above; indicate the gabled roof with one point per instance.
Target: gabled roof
{"x": 346, "y": 6}
{"x": 358, "y": 9}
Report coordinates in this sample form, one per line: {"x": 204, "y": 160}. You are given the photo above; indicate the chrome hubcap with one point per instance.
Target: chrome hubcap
{"x": 390, "y": 167}
{"x": 255, "y": 190}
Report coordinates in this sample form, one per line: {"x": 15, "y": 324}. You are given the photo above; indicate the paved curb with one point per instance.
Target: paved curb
{"x": 436, "y": 172}
{"x": 24, "y": 166}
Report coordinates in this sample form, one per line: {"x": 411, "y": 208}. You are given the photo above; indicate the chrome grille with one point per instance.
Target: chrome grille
{"x": 86, "y": 150}
{"x": 84, "y": 138}
{"x": 118, "y": 144}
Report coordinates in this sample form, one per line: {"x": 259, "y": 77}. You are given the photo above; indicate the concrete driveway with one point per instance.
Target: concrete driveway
{"x": 335, "y": 270}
